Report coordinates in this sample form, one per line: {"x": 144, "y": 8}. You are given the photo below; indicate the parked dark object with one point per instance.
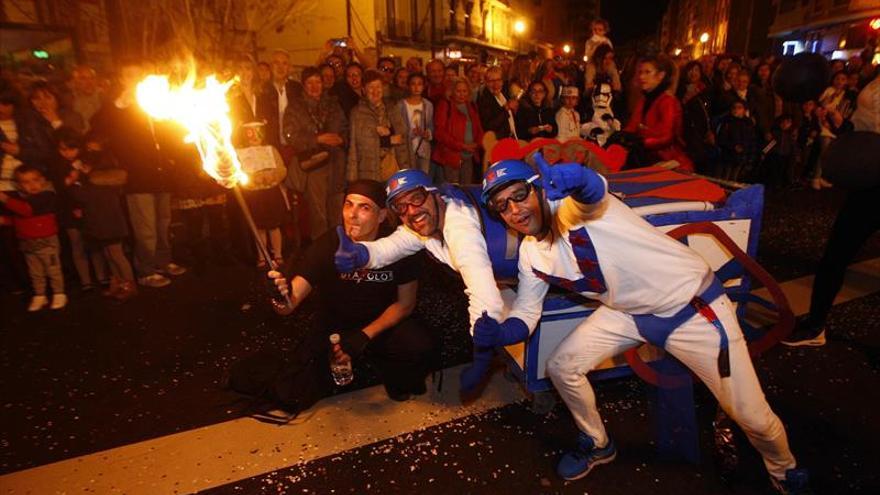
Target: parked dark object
{"x": 801, "y": 78}
{"x": 851, "y": 161}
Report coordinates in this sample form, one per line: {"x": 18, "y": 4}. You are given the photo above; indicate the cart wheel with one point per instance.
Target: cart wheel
{"x": 785, "y": 318}
{"x": 543, "y": 402}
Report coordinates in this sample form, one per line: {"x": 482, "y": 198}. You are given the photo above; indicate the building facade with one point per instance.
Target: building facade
{"x": 698, "y": 27}
{"x": 468, "y": 30}
{"x": 58, "y": 32}
{"x": 833, "y": 28}
{"x": 579, "y": 15}
{"x": 98, "y": 31}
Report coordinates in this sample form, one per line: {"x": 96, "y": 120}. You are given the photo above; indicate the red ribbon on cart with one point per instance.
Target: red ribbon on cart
{"x": 785, "y": 317}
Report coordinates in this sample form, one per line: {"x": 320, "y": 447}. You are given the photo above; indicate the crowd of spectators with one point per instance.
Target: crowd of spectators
{"x": 88, "y": 181}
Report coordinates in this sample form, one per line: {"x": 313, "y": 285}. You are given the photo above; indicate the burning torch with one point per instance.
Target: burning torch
{"x": 204, "y": 112}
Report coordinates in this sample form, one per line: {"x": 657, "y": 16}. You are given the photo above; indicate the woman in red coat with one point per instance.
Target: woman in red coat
{"x": 457, "y": 134}
{"x": 657, "y": 117}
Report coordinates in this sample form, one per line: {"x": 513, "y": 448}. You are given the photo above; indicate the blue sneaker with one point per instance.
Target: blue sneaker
{"x": 576, "y": 464}
{"x": 796, "y": 482}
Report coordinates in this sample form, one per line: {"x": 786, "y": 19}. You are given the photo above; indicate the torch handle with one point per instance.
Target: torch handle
{"x": 261, "y": 245}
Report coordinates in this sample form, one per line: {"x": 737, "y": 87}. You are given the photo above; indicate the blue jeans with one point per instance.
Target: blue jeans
{"x": 150, "y": 215}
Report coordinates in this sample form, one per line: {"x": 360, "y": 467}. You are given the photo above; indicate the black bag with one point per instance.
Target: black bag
{"x": 638, "y": 156}
{"x": 283, "y": 387}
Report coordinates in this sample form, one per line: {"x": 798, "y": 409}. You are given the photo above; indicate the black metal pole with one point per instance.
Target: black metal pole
{"x": 261, "y": 245}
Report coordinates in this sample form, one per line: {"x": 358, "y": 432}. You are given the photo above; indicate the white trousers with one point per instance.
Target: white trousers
{"x": 608, "y": 332}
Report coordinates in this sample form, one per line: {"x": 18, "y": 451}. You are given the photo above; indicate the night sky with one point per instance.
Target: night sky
{"x": 631, "y": 19}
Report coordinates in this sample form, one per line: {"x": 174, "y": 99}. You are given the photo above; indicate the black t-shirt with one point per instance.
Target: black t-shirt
{"x": 351, "y": 300}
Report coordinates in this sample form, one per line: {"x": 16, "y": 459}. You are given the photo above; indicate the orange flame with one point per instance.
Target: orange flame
{"x": 204, "y": 112}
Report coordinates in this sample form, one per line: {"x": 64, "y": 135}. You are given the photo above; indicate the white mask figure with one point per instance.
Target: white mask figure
{"x": 603, "y": 124}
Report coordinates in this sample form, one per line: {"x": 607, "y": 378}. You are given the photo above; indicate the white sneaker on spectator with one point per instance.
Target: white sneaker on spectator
{"x": 174, "y": 269}
{"x": 58, "y": 301}
{"x": 38, "y": 303}
{"x": 154, "y": 280}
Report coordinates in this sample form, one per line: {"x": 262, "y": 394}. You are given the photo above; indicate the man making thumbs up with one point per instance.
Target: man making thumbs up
{"x": 652, "y": 289}
{"x": 369, "y": 308}
{"x": 448, "y": 223}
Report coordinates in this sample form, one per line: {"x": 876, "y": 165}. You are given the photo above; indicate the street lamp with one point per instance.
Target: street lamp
{"x": 704, "y": 37}
{"x": 519, "y": 27}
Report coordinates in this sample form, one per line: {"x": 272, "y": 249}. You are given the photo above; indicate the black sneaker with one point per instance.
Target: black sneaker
{"x": 419, "y": 389}
{"x": 806, "y": 334}
{"x": 400, "y": 393}
{"x": 399, "y": 396}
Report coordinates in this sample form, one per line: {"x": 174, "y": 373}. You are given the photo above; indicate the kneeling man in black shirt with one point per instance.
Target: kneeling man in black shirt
{"x": 369, "y": 309}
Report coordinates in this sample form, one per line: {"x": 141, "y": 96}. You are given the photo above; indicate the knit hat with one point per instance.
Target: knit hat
{"x": 368, "y": 188}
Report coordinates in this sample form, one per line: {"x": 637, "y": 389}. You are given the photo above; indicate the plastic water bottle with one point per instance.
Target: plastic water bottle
{"x": 340, "y": 369}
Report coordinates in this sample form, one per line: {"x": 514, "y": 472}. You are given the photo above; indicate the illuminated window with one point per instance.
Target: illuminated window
{"x": 792, "y": 47}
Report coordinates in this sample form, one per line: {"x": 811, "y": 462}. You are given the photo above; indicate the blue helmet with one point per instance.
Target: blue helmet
{"x": 406, "y": 180}
{"x": 505, "y": 172}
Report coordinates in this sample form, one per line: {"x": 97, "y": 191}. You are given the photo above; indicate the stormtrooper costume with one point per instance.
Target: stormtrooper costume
{"x": 603, "y": 124}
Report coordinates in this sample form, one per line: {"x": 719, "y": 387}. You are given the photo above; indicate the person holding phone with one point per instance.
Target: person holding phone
{"x": 496, "y": 110}
{"x": 418, "y": 113}
{"x": 535, "y": 118}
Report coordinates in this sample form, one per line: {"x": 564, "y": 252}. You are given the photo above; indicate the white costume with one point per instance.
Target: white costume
{"x": 606, "y": 252}
{"x": 568, "y": 120}
{"x": 603, "y": 124}
{"x": 463, "y": 249}
{"x": 569, "y": 124}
